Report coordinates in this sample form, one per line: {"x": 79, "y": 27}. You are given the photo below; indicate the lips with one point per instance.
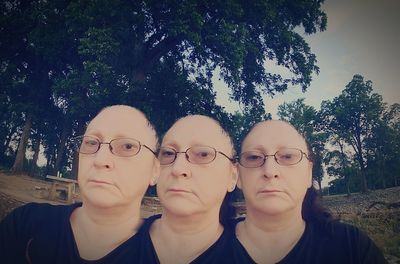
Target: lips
{"x": 96, "y": 181}
{"x": 271, "y": 191}
{"x": 177, "y": 190}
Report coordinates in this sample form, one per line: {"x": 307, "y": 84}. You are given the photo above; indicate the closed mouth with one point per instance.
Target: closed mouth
{"x": 270, "y": 191}
{"x": 99, "y": 182}
{"x": 177, "y": 190}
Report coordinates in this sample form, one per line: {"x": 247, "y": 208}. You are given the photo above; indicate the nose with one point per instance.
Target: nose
{"x": 103, "y": 158}
{"x": 271, "y": 168}
{"x": 180, "y": 167}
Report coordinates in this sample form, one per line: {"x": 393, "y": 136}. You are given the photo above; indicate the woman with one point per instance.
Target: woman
{"x": 284, "y": 223}
{"x": 117, "y": 162}
{"x": 197, "y": 172}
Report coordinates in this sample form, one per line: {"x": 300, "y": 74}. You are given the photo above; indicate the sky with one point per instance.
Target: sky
{"x": 362, "y": 37}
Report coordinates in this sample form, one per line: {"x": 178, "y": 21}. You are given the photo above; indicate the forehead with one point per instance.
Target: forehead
{"x": 273, "y": 135}
{"x": 120, "y": 122}
{"x": 197, "y": 130}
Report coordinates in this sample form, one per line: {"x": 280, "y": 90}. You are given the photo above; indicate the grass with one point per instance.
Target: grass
{"x": 382, "y": 227}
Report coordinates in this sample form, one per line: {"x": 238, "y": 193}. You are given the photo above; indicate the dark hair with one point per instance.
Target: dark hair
{"x": 312, "y": 209}
{"x": 227, "y": 211}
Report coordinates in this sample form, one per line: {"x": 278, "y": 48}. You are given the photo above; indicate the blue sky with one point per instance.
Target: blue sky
{"x": 362, "y": 37}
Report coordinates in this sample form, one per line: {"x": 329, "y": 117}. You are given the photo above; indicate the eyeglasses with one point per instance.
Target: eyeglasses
{"x": 195, "y": 155}
{"x": 123, "y": 147}
{"x": 284, "y": 157}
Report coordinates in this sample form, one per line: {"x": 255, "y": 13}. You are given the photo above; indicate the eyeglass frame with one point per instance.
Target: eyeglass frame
{"x": 275, "y": 158}
{"x": 233, "y": 160}
{"x": 109, "y": 146}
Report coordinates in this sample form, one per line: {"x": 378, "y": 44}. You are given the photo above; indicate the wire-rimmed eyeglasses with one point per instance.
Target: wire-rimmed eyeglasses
{"x": 284, "y": 157}
{"x": 122, "y": 147}
{"x": 195, "y": 155}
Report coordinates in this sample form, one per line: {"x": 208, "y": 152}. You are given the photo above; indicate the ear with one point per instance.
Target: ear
{"x": 155, "y": 173}
{"x": 234, "y": 177}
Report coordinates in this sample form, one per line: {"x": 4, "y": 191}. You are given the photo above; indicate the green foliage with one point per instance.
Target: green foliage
{"x": 62, "y": 61}
{"x": 351, "y": 118}
{"x": 308, "y": 122}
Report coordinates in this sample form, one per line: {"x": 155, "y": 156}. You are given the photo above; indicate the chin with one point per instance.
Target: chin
{"x": 180, "y": 208}
{"x": 101, "y": 199}
{"x": 273, "y": 207}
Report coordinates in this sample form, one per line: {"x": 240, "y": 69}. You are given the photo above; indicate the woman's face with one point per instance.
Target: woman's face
{"x": 185, "y": 188}
{"x": 272, "y": 188}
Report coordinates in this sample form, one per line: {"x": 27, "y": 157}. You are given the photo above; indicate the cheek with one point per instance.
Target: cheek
{"x": 84, "y": 167}
{"x": 299, "y": 183}
{"x": 250, "y": 179}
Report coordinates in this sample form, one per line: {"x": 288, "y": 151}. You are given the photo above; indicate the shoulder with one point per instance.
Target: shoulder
{"x": 36, "y": 214}
{"x": 28, "y": 211}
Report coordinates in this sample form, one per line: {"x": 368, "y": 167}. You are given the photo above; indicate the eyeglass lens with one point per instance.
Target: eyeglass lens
{"x": 285, "y": 157}
{"x": 196, "y": 155}
{"x": 123, "y": 147}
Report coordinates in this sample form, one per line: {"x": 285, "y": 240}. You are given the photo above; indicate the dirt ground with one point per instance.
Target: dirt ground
{"x": 16, "y": 190}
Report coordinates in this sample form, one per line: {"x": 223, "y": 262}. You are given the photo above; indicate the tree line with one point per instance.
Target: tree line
{"x": 355, "y": 137}
{"x": 63, "y": 60}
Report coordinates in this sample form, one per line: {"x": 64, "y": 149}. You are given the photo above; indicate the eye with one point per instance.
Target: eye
{"x": 127, "y": 146}
{"x": 251, "y": 157}
{"x": 88, "y": 142}
{"x": 201, "y": 153}
{"x": 124, "y": 147}
{"x": 286, "y": 156}
{"x": 166, "y": 152}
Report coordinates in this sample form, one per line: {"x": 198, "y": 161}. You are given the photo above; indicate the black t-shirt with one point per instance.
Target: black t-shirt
{"x": 331, "y": 242}
{"x": 42, "y": 233}
{"x": 219, "y": 252}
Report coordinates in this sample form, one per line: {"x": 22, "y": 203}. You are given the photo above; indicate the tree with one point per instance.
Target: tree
{"x": 352, "y": 115}
{"x": 26, "y": 63}
{"x": 307, "y": 121}
{"x": 82, "y": 55}
{"x": 238, "y": 37}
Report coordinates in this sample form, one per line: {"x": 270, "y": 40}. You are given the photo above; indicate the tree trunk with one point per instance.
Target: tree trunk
{"x": 75, "y": 159}
{"x": 363, "y": 178}
{"x": 320, "y": 185}
{"x": 383, "y": 172}
{"x": 19, "y": 159}
{"x": 36, "y": 149}
{"x": 61, "y": 146}
{"x": 348, "y": 186}
{"x": 50, "y": 158}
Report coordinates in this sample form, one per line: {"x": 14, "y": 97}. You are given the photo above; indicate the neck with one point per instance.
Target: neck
{"x": 189, "y": 225}
{"x": 110, "y": 216}
{"x": 271, "y": 223}
{"x": 171, "y": 233}
{"x": 97, "y": 231}
{"x": 269, "y": 237}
